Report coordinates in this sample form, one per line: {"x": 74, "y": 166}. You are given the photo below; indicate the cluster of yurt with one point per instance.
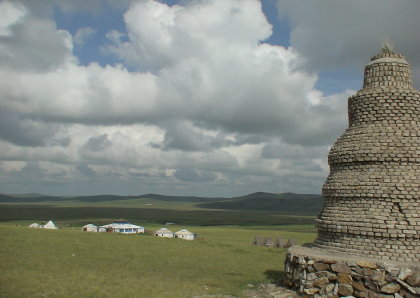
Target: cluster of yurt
{"x": 181, "y": 234}
{"x": 122, "y": 227}
{"x": 269, "y": 242}
{"x": 49, "y": 226}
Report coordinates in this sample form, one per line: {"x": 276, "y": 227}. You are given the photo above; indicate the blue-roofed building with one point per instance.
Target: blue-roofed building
{"x": 123, "y": 227}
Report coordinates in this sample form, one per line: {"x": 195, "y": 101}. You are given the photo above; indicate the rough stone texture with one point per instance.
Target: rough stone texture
{"x": 340, "y": 268}
{"x": 414, "y": 280}
{"x": 391, "y": 288}
{"x": 367, "y": 277}
{"x": 372, "y": 197}
{"x": 321, "y": 266}
{"x": 344, "y": 278}
{"x": 345, "y": 290}
{"x": 405, "y": 273}
{"x": 368, "y": 242}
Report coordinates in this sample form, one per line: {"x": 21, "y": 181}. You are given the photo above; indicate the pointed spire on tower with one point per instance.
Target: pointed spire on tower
{"x": 387, "y": 46}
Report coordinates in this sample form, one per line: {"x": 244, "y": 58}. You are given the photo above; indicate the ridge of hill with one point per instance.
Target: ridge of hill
{"x": 262, "y": 201}
{"x": 285, "y": 203}
{"x": 36, "y": 198}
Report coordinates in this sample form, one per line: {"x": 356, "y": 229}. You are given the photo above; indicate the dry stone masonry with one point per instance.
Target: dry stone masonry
{"x": 314, "y": 274}
{"x": 372, "y": 195}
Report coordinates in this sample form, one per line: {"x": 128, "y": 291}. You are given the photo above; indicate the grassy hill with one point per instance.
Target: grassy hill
{"x": 257, "y": 208}
{"x": 38, "y": 198}
{"x": 259, "y": 201}
{"x": 105, "y": 214}
{"x": 285, "y": 203}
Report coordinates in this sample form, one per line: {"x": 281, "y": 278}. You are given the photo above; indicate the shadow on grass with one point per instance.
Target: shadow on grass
{"x": 274, "y": 276}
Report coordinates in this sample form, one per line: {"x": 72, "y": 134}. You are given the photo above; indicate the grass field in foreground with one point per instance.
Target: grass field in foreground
{"x": 70, "y": 263}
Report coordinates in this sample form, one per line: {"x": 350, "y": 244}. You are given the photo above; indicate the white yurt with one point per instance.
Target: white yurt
{"x": 164, "y": 232}
{"x": 35, "y": 225}
{"x": 185, "y": 234}
{"x": 50, "y": 225}
{"x": 89, "y": 228}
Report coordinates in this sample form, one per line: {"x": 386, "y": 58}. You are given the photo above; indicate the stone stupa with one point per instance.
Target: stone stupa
{"x": 369, "y": 229}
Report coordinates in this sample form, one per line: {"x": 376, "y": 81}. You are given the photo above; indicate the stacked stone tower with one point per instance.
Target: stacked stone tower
{"x": 372, "y": 195}
{"x": 368, "y": 242}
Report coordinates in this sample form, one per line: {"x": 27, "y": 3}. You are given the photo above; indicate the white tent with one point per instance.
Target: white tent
{"x": 50, "y": 225}
{"x": 185, "y": 234}
{"x": 90, "y": 228}
{"x": 35, "y": 225}
{"x": 164, "y": 232}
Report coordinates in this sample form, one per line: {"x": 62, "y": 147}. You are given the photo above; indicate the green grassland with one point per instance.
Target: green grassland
{"x": 102, "y": 201}
{"x": 19, "y": 212}
{"x": 257, "y": 208}
{"x": 146, "y": 203}
{"x": 71, "y": 263}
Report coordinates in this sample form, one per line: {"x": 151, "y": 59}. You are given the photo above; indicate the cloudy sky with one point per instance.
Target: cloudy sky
{"x": 184, "y": 97}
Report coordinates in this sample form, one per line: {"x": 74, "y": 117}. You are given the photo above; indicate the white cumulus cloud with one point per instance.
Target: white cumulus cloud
{"x": 197, "y": 105}
{"x": 12, "y": 14}
{"x": 83, "y": 34}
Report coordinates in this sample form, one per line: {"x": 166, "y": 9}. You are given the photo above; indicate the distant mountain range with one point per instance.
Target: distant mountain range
{"x": 36, "y": 198}
{"x": 285, "y": 203}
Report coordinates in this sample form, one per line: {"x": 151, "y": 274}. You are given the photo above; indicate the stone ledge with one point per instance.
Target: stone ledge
{"x": 314, "y": 272}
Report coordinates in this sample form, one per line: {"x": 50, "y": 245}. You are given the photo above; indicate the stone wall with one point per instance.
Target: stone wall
{"x": 372, "y": 195}
{"x": 387, "y": 69}
{"x": 313, "y": 275}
